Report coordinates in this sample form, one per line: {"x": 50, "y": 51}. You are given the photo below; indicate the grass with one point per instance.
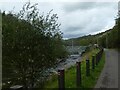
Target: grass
{"x": 70, "y": 74}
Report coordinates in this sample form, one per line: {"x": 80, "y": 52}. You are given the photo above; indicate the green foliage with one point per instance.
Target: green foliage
{"x": 31, "y": 43}
{"x": 82, "y": 41}
{"x": 102, "y": 41}
{"x": 111, "y": 39}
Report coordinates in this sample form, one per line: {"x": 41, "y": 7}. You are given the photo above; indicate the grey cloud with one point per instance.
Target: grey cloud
{"x": 77, "y": 33}
{"x": 70, "y": 7}
{"x": 70, "y": 35}
{"x": 77, "y": 18}
{"x": 71, "y": 32}
{"x": 92, "y": 27}
{"x": 73, "y": 29}
{"x": 92, "y": 21}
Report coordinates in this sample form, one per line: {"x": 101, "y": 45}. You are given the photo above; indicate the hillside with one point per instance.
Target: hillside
{"x": 110, "y": 38}
{"x": 85, "y": 40}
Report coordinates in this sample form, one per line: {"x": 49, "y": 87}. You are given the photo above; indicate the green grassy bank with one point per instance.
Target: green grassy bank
{"x": 70, "y": 74}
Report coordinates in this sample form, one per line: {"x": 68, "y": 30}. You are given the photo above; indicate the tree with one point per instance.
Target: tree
{"x": 30, "y": 43}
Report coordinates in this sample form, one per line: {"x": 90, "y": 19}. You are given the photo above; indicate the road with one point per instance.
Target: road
{"x": 109, "y": 74}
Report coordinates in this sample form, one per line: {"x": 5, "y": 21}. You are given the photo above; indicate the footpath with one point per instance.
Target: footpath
{"x": 109, "y": 76}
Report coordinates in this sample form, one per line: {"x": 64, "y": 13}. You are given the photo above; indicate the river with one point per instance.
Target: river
{"x": 70, "y": 61}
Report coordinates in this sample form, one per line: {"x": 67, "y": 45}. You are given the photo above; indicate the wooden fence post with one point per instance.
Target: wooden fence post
{"x": 98, "y": 56}
{"x": 87, "y": 67}
{"x": 93, "y": 62}
{"x": 78, "y": 73}
{"x": 61, "y": 79}
{"x": 96, "y": 59}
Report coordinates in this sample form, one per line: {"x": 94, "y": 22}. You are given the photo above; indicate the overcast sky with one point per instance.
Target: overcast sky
{"x": 76, "y": 18}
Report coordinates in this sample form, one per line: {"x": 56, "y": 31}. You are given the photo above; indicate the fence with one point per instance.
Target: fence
{"x": 95, "y": 61}
{"x": 61, "y": 72}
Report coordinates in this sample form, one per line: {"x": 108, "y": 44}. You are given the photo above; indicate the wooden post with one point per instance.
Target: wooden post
{"x": 87, "y": 68}
{"x": 101, "y": 51}
{"x": 96, "y": 59}
{"x": 99, "y": 56}
{"x": 93, "y": 62}
{"x": 61, "y": 79}
{"x": 78, "y": 73}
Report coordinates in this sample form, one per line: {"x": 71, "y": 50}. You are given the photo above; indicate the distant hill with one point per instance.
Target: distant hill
{"x": 85, "y": 40}
{"x": 110, "y": 38}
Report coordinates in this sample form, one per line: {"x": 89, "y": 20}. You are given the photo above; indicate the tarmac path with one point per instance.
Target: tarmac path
{"x": 109, "y": 75}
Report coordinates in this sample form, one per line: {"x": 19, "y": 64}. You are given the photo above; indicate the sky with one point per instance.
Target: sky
{"x": 77, "y": 18}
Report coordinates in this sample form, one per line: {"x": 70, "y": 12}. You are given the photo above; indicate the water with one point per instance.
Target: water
{"x": 68, "y": 62}
{"x": 75, "y": 49}
{"x": 71, "y": 60}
